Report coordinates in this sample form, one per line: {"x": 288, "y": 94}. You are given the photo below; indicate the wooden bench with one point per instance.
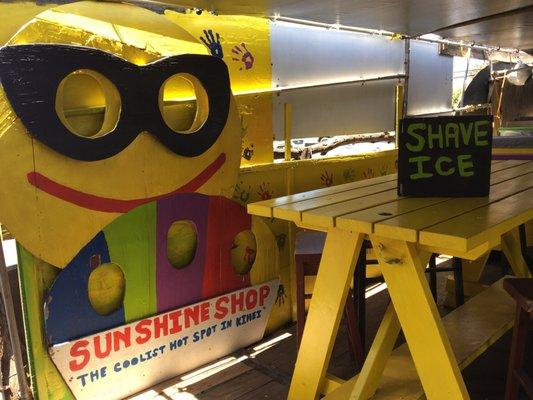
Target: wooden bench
{"x": 471, "y": 331}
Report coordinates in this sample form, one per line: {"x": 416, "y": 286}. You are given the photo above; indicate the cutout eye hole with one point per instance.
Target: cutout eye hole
{"x": 243, "y": 252}
{"x": 88, "y": 104}
{"x": 106, "y": 288}
{"x": 182, "y": 239}
{"x": 183, "y": 103}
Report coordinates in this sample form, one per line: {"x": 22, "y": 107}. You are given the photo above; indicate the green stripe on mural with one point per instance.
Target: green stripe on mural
{"x": 131, "y": 243}
{"x": 36, "y": 277}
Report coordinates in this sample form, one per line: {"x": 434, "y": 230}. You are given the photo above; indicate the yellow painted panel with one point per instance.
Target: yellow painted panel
{"x": 255, "y": 111}
{"x": 472, "y": 328}
{"x": 245, "y": 45}
{"x": 483, "y": 224}
{"x": 17, "y": 14}
{"x": 265, "y": 208}
{"x": 406, "y": 226}
{"x": 293, "y": 211}
{"x": 325, "y": 216}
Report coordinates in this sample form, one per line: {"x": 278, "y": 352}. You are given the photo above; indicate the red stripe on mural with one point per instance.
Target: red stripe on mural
{"x": 106, "y": 204}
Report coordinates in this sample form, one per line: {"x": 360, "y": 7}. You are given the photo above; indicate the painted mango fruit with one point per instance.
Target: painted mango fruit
{"x": 243, "y": 252}
{"x": 106, "y": 288}
{"x": 181, "y": 243}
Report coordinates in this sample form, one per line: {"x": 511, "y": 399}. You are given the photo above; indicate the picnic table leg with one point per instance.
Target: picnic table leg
{"x": 376, "y": 359}
{"x": 512, "y": 249}
{"x": 403, "y": 270}
{"x": 335, "y": 274}
{"x": 382, "y": 346}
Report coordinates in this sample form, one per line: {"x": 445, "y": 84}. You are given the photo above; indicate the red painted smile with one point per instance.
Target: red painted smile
{"x": 105, "y": 204}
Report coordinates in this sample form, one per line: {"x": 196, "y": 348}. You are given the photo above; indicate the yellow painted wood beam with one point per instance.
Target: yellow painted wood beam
{"x": 377, "y": 357}
{"x": 325, "y": 311}
{"x": 430, "y": 347}
{"x": 512, "y": 250}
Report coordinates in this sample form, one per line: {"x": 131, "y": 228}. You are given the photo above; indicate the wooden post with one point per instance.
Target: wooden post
{"x": 398, "y": 111}
{"x": 12, "y": 326}
{"x": 287, "y": 131}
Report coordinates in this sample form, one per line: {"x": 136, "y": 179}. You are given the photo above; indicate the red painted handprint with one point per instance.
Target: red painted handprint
{"x": 264, "y": 191}
{"x": 242, "y": 54}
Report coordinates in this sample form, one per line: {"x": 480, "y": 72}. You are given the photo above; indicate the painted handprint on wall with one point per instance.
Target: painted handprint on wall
{"x": 212, "y": 43}
{"x": 242, "y": 193}
{"x": 242, "y": 54}
{"x": 348, "y": 174}
{"x": 327, "y": 178}
{"x": 264, "y": 191}
{"x": 248, "y": 152}
{"x": 368, "y": 173}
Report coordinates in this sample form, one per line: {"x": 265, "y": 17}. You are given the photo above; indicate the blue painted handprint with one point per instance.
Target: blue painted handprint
{"x": 212, "y": 43}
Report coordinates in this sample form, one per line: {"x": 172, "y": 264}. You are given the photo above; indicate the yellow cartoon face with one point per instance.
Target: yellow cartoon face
{"x": 86, "y": 135}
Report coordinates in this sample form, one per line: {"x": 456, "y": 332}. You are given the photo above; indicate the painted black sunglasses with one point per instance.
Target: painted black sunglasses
{"x": 31, "y": 75}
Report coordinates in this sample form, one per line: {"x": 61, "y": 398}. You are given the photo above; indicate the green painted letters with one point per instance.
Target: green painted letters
{"x": 420, "y": 139}
{"x": 451, "y": 132}
{"x": 432, "y": 136}
{"x": 420, "y": 174}
{"x": 480, "y": 134}
{"x": 438, "y": 166}
{"x": 464, "y": 162}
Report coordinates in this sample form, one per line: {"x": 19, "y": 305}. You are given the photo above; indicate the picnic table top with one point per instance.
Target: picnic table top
{"x": 372, "y": 206}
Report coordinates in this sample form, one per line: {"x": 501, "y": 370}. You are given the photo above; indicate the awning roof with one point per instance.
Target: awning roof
{"x": 493, "y": 22}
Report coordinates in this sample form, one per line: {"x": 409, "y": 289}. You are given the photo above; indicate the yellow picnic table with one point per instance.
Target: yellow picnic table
{"x": 404, "y": 232}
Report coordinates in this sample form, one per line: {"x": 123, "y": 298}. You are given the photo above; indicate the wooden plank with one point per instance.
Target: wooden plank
{"x": 272, "y": 390}
{"x": 219, "y": 378}
{"x": 264, "y": 208}
{"x": 406, "y": 226}
{"x": 238, "y": 387}
{"x": 325, "y": 216}
{"x": 293, "y": 212}
{"x": 510, "y": 173}
{"x": 364, "y": 220}
{"x": 176, "y": 384}
{"x": 472, "y": 328}
{"x": 474, "y": 228}
{"x": 507, "y": 164}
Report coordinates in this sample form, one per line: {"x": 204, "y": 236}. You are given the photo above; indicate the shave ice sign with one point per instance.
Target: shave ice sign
{"x": 125, "y": 360}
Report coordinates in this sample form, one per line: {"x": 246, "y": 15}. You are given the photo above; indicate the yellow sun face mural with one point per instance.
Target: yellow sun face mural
{"x": 89, "y": 133}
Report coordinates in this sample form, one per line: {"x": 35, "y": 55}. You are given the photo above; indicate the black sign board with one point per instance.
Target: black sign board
{"x": 445, "y": 156}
